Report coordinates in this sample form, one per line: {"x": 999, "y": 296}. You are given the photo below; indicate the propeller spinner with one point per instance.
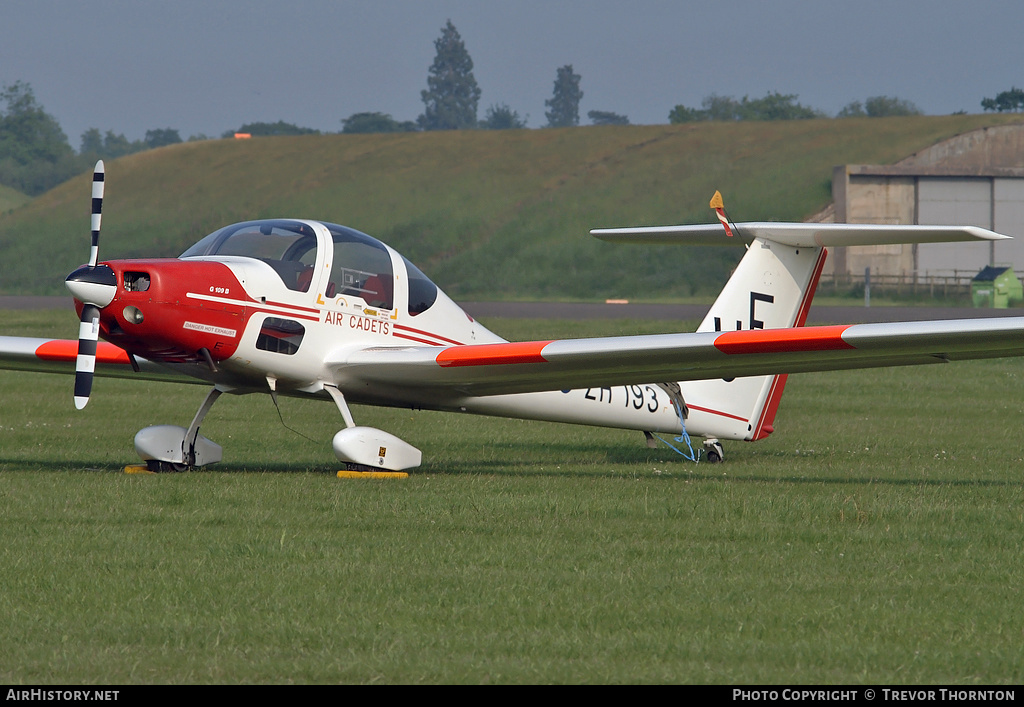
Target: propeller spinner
{"x": 94, "y": 286}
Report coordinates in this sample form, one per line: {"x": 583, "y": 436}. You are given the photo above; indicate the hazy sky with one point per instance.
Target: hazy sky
{"x": 207, "y": 66}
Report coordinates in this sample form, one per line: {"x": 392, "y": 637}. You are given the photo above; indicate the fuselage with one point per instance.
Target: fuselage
{"x": 275, "y": 304}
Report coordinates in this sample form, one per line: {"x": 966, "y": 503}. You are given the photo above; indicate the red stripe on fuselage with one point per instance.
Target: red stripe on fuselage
{"x": 493, "y": 354}
{"x": 285, "y": 305}
{"x": 717, "y": 412}
{"x": 278, "y": 313}
{"x": 402, "y": 327}
{"x": 417, "y": 339}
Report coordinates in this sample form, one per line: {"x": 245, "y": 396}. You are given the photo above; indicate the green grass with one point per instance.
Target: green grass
{"x": 875, "y": 538}
{"x": 486, "y": 214}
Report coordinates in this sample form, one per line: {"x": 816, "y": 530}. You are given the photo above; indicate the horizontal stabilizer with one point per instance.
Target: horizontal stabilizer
{"x": 798, "y": 235}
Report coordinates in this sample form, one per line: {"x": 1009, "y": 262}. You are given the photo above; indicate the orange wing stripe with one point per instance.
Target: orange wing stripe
{"x": 493, "y": 354}
{"x": 67, "y": 350}
{"x": 823, "y": 338}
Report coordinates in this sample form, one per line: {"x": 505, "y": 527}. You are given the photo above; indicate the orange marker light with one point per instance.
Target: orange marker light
{"x": 719, "y": 206}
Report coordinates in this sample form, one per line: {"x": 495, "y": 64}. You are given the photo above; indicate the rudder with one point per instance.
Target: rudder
{"x": 771, "y": 288}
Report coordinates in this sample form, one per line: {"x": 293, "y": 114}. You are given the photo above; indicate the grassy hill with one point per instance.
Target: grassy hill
{"x": 11, "y": 198}
{"x": 487, "y": 214}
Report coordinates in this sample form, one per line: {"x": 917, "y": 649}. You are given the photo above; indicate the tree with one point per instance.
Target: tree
{"x": 27, "y": 132}
{"x": 92, "y": 143}
{"x": 713, "y": 107}
{"x": 271, "y": 130}
{"x": 1005, "y": 101}
{"x": 888, "y": 106}
{"x": 565, "y": 101}
{"x": 853, "y": 109}
{"x": 34, "y": 152}
{"x": 375, "y": 123}
{"x": 878, "y": 107}
{"x": 159, "y": 137}
{"x": 682, "y": 114}
{"x": 109, "y": 146}
{"x": 603, "y": 117}
{"x": 501, "y": 117}
{"x": 717, "y": 107}
{"x": 452, "y": 94}
{"x": 774, "y": 106}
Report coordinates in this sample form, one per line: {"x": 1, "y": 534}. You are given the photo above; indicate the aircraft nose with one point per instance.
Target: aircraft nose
{"x": 93, "y": 284}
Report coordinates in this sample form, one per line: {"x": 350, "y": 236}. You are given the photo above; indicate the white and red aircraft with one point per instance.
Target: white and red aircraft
{"x": 305, "y": 308}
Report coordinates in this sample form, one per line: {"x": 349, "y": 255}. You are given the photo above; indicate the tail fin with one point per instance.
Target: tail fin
{"x": 771, "y": 288}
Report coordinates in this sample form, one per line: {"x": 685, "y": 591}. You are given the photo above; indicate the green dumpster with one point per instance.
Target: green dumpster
{"x": 996, "y": 286}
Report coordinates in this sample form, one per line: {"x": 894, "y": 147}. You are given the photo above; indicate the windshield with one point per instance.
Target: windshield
{"x": 289, "y": 247}
{"x": 361, "y": 265}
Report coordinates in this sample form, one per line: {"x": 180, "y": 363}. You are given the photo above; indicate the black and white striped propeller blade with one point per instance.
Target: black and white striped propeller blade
{"x": 85, "y": 364}
{"x": 98, "y": 177}
{"x": 94, "y": 286}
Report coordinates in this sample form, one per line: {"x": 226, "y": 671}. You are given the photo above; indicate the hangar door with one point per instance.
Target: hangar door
{"x": 994, "y": 203}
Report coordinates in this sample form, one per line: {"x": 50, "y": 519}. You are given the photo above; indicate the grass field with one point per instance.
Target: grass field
{"x": 876, "y": 537}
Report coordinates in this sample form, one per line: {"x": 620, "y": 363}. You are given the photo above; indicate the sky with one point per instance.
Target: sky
{"x": 204, "y": 67}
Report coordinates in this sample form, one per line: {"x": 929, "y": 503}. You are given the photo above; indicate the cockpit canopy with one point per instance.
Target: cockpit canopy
{"x": 361, "y": 265}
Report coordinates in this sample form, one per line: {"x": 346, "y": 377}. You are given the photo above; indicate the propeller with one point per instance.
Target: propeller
{"x": 94, "y": 286}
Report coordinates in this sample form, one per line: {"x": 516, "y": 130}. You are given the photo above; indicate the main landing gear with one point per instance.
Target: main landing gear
{"x": 366, "y": 451}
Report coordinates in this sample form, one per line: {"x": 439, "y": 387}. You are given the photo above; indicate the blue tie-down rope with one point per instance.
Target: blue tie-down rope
{"x": 685, "y": 437}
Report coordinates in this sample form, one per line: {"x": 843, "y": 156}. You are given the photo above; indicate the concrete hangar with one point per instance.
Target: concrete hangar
{"x": 973, "y": 179}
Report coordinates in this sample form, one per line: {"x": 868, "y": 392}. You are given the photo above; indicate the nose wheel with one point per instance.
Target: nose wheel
{"x": 159, "y": 467}
{"x": 173, "y": 448}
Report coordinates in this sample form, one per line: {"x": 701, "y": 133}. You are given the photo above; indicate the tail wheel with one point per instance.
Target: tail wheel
{"x": 713, "y": 451}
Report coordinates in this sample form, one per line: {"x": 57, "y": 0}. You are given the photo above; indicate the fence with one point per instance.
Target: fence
{"x": 940, "y": 284}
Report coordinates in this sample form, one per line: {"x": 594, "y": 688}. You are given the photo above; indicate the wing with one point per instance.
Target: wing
{"x": 58, "y": 356}
{"x": 493, "y": 369}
